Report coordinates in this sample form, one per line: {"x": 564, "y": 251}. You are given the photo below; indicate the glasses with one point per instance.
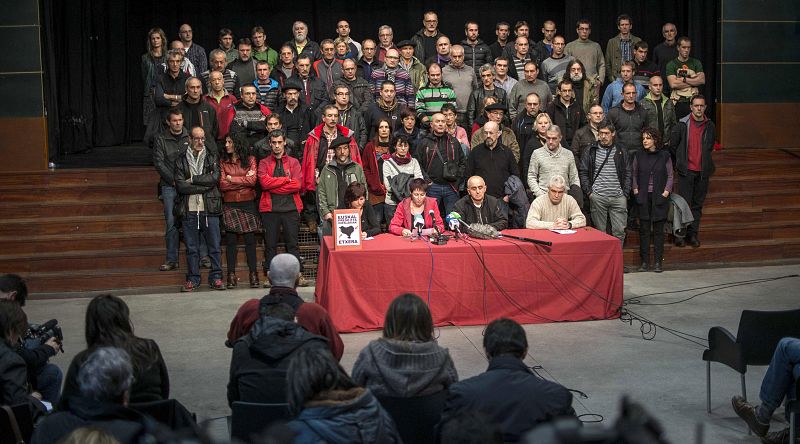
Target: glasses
{"x": 199, "y": 138}
{"x": 345, "y": 93}
{"x": 393, "y": 57}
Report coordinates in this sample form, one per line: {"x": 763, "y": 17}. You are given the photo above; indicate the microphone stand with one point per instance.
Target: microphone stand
{"x": 527, "y": 239}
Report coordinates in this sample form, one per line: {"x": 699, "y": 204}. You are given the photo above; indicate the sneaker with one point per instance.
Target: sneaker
{"x": 643, "y": 267}
{"x": 217, "y": 284}
{"x": 267, "y": 284}
{"x": 781, "y": 437}
{"x": 205, "y": 262}
{"x": 188, "y": 286}
{"x": 657, "y": 267}
{"x": 168, "y": 266}
{"x": 747, "y": 412}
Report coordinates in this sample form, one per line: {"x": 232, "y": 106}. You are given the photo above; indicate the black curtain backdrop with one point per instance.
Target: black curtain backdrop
{"x": 93, "y": 48}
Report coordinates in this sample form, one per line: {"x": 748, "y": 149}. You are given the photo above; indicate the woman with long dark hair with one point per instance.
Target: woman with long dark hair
{"x": 237, "y": 181}
{"x": 375, "y": 153}
{"x": 108, "y": 324}
{"x": 152, "y": 60}
{"x": 652, "y": 184}
{"x": 329, "y": 407}
{"x": 406, "y": 361}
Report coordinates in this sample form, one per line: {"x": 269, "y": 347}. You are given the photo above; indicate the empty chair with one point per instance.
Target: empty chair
{"x": 250, "y": 418}
{"x": 754, "y": 343}
{"x": 169, "y": 412}
{"x": 415, "y": 417}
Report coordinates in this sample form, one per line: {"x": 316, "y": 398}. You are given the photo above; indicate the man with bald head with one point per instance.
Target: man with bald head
{"x": 442, "y": 55}
{"x": 493, "y": 161}
{"x": 197, "y": 112}
{"x": 480, "y": 207}
{"x": 219, "y": 63}
{"x": 462, "y": 79}
{"x": 187, "y": 67}
{"x": 434, "y": 150}
{"x": 404, "y": 88}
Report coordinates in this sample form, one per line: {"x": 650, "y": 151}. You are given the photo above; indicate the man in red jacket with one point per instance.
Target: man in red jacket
{"x": 280, "y": 205}
{"x": 318, "y": 153}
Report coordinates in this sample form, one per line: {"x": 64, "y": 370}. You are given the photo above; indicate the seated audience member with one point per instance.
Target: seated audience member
{"x": 328, "y": 406}
{"x": 283, "y": 275}
{"x": 104, "y": 382}
{"x": 652, "y": 184}
{"x": 509, "y": 393}
{"x": 407, "y": 361}
{"x": 416, "y": 208}
{"x": 108, "y": 324}
{"x": 13, "y": 375}
{"x": 237, "y": 181}
{"x": 355, "y": 195}
{"x": 260, "y": 358}
{"x": 400, "y": 161}
{"x": 778, "y": 383}
{"x": 477, "y": 207}
{"x": 375, "y": 153}
{"x": 556, "y": 209}
{"x": 44, "y": 377}
{"x": 469, "y": 428}
{"x": 89, "y": 435}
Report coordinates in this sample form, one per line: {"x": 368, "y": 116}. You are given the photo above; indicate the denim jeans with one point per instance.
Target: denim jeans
{"x": 171, "y": 233}
{"x": 201, "y": 226}
{"x": 783, "y": 370}
{"x": 615, "y": 208}
{"x": 48, "y": 382}
{"x": 445, "y": 195}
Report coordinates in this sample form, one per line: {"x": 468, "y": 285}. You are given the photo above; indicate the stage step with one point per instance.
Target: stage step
{"x": 721, "y": 252}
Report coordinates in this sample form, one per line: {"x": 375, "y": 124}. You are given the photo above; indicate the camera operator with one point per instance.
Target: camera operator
{"x": 43, "y": 376}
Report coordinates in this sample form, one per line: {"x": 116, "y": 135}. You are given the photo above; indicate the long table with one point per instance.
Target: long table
{"x": 579, "y": 277}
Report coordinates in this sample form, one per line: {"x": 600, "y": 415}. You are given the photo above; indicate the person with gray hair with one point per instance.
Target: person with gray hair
{"x": 284, "y": 276}
{"x": 552, "y": 159}
{"x": 556, "y": 210}
{"x": 486, "y": 89}
{"x": 105, "y": 381}
{"x": 217, "y": 61}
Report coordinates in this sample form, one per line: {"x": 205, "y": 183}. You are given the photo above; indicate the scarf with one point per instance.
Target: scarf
{"x": 196, "y": 169}
{"x": 387, "y": 107}
{"x": 401, "y": 160}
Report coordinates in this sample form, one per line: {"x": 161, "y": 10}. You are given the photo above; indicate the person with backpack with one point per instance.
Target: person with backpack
{"x": 398, "y": 170}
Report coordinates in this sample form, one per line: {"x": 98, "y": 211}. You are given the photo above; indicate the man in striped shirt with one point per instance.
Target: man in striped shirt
{"x": 605, "y": 174}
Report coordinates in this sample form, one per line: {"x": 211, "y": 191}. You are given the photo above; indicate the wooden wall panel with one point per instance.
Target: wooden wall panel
{"x": 24, "y": 144}
{"x": 758, "y": 125}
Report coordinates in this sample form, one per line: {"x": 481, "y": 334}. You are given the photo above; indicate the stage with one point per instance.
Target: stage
{"x": 579, "y": 277}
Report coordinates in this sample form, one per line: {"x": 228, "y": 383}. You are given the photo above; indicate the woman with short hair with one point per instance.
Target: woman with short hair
{"x": 417, "y": 207}
{"x": 356, "y": 198}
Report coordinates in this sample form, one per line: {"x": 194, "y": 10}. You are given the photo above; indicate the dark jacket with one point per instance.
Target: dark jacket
{"x": 204, "y": 115}
{"x": 628, "y": 126}
{"x": 353, "y": 119}
{"x": 475, "y": 104}
{"x": 311, "y": 49}
{"x": 318, "y": 94}
{"x": 124, "y": 424}
{"x": 374, "y": 113}
{"x": 166, "y": 150}
{"x": 360, "y": 93}
{"x": 431, "y": 163}
{"x": 476, "y": 56}
{"x": 586, "y": 168}
{"x": 206, "y": 184}
{"x": 657, "y": 209}
{"x": 296, "y": 125}
{"x": 679, "y": 148}
{"x": 13, "y": 376}
{"x": 369, "y": 220}
{"x": 489, "y": 213}
{"x": 149, "y": 384}
{"x": 569, "y": 120}
{"x": 364, "y": 68}
{"x": 493, "y": 165}
{"x": 419, "y": 44}
{"x": 581, "y": 140}
{"x": 245, "y": 71}
{"x": 667, "y": 114}
{"x": 345, "y": 417}
{"x": 261, "y": 358}
{"x": 511, "y": 395}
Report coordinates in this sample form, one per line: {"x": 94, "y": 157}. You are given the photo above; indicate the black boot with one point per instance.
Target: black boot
{"x": 657, "y": 267}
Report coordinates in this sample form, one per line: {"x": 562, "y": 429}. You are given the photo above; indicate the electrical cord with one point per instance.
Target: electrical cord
{"x": 430, "y": 279}
{"x": 636, "y": 299}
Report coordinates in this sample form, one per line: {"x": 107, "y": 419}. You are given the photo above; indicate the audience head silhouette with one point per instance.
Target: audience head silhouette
{"x": 312, "y": 372}
{"x": 284, "y": 271}
{"x": 505, "y": 337}
{"x": 408, "y": 318}
{"x": 106, "y": 376}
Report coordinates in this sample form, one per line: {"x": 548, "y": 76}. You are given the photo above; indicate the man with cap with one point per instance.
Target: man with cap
{"x": 296, "y": 118}
{"x": 495, "y": 112}
{"x": 319, "y": 152}
{"x": 412, "y": 65}
{"x": 334, "y": 178}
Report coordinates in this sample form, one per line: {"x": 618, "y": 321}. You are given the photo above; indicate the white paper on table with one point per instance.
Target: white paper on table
{"x": 369, "y": 238}
{"x": 563, "y": 231}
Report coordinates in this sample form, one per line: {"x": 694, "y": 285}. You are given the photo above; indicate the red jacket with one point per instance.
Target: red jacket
{"x": 403, "y": 220}
{"x": 312, "y": 149}
{"x": 221, "y": 108}
{"x": 241, "y": 187}
{"x": 372, "y": 172}
{"x": 227, "y": 119}
{"x": 289, "y": 184}
{"x": 311, "y": 316}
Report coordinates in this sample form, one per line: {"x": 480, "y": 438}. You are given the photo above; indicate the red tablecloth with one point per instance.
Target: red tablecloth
{"x": 578, "y": 278}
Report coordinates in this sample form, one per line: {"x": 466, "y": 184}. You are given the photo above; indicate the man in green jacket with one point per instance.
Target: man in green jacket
{"x": 334, "y": 178}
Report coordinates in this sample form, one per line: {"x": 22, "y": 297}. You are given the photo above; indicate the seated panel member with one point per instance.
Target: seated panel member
{"x": 477, "y": 207}
{"x": 418, "y": 205}
{"x": 555, "y": 210}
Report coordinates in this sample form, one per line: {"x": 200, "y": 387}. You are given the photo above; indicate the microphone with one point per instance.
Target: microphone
{"x": 433, "y": 221}
{"x": 419, "y": 224}
{"x": 453, "y": 220}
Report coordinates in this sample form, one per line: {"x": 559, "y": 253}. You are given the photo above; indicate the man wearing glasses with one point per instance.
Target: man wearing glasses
{"x": 391, "y": 70}
{"x": 588, "y": 52}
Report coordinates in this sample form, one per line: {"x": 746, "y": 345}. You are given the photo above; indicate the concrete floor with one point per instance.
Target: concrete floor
{"x": 603, "y": 359}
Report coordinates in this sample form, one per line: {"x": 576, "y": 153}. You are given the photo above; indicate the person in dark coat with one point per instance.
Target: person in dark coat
{"x": 260, "y": 359}
{"x": 355, "y": 196}
{"x": 652, "y": 185}
{"x": 108, "y": 324}
{"x": 329, "y": 407}
{"x": 509, "y": 393}
{"x": 105, "y": 381}
{"x": 13, "y": 374}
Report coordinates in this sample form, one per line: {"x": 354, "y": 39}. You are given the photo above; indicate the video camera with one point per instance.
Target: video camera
{"x": 36, "y": 335}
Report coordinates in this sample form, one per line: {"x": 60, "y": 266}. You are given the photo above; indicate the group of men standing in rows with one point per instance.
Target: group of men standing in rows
{"x": 335, "y": 93}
